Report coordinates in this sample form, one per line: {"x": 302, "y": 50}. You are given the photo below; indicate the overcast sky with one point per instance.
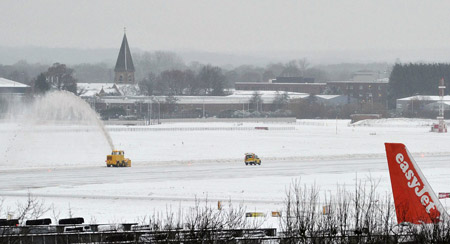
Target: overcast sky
{"x": 226, "y": 26}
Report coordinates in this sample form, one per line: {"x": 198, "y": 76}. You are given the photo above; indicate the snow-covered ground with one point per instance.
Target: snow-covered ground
{"x": 173, "y": 164}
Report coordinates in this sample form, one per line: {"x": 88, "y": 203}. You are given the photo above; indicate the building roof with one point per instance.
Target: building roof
{"x": 124, "y": 61}
{"x": 92, "y": 89}
{"x": 378, "y": 81}
{"x": 424, "y": 98}
{"x": 276, "y": 84}
{"x": 237, "y": 97}
{"x": 10, "y": 83}
{"x": 294, "y": 79}
{"x": 106, "y": 89}
{"x": 328, "y": 97}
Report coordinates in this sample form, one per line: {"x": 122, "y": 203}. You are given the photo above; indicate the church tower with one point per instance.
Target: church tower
{"x": 124, "y": 66}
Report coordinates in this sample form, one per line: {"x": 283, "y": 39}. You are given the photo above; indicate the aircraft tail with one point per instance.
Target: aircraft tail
{"x": 415, "y": 202}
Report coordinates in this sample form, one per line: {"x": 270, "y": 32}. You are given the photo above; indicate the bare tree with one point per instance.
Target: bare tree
{"x": 33, "y": 208}
{"x": 212, "y": 80}
{"x": 147, "y": 85}
{"x": 174, "y": 80}
{"x": 256, "y": 101}
{"x": 280, "y": 101}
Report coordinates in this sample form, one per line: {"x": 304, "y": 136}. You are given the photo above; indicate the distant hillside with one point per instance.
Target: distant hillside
{"x": 71, "y": 56}
{"x": 44, "y": 55}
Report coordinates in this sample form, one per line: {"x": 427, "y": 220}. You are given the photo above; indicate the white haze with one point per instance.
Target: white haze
{"x": 319, "y": 30}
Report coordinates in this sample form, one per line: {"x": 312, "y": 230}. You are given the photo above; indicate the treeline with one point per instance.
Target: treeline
{"x": 22, "y": 71}
{"x": 208, "y": 81}
{"x": 417, "y": 78}
{"x": 166, "y": 66}
{"x": 160, "y": 61}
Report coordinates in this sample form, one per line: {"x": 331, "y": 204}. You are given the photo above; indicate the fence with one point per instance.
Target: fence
{"x": 144, "y": 236}
{"x": 203, "y": 120}
{"x": 262, "y": 236}
{"x": 142, "y": 129}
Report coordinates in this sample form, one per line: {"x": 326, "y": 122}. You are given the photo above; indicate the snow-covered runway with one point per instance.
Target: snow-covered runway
{"x": 171, "y": 170}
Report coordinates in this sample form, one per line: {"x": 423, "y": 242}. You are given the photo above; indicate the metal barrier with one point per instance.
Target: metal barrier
{"x": 140, "y": 129}
{"x": 198, "y": 236}
{"x": 140, "y": 236}
{"x": 204, "y": 120}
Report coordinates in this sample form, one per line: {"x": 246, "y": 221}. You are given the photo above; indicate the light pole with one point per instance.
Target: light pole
{"x": 203, "y": 107}
{"x": 159, "y": 109}
{"x": 148, "y": 114}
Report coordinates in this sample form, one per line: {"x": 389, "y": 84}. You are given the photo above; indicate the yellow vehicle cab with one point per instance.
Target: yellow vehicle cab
{"x": 117, "y": 159}
{"x": 252, "y": 159}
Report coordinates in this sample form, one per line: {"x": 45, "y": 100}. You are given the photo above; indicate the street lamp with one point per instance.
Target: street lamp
{"x": 203, "y": 107}
{"x": 148, "y": 114}
{"x": 159, "y": 108}
{"x": 243, "y": 109}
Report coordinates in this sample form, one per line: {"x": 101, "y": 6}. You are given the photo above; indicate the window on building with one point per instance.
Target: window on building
{"x": 360, "y": 87}
{"x": 379, "y": 88}
{"x": 351, "y": 87}
{"x": 120, "y": 78}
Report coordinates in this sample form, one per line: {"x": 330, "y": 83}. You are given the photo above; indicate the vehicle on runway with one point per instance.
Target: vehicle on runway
{"x": 117, "y": 159}
{"x": 252, "y": 159}
{"x": 414, "y": 199}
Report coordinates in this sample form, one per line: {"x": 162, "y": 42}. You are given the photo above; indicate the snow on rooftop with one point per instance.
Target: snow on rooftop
{"x": 328, "y": 96}
{"x": 92, "y": 89}
{"x": 10, "y": 83}
{"x": 237, "y": 97}
{"x": 425, "y": 98}
{"x": 381, "y": 81}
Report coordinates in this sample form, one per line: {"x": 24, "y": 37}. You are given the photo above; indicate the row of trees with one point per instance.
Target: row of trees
{"x": 208, "y": 81}
{"x": 22, "y": 71}
{"x": 150, "y": 66}
{"x": 158, "y": 62}
{"x": 417, "y": 78}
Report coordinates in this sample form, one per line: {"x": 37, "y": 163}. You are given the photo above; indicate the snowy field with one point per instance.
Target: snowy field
{"x": 175, "y": 164}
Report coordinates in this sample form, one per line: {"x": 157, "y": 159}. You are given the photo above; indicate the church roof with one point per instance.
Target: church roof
{"x": 124, "y": 61}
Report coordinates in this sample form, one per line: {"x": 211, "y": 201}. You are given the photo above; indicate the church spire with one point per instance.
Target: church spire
{"x": 124, "y": 66}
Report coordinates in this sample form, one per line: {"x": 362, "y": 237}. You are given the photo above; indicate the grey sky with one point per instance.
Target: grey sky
{"x": 227, "y": 26}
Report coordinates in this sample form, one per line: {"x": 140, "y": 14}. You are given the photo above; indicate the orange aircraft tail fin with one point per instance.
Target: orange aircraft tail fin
{"x": 415, "y": 202}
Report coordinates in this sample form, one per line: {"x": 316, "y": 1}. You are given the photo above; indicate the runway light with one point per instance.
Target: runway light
{"x": 276, "y": 214}
{"x": 255, "y": 214}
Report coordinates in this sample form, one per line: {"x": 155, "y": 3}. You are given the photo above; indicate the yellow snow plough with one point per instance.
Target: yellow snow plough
{"x": 117, "y": 159}
{"x": 252, "y": 159}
